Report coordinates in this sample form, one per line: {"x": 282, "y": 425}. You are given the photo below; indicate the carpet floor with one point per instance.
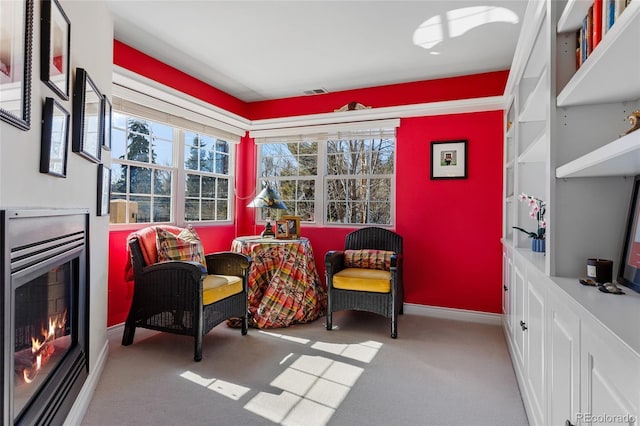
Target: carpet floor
{"x": 437, "y": 372}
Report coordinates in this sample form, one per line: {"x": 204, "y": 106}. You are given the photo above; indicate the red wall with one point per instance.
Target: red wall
{"x": 120, "y": 291}
{"x": 451, "y": 228}
{"x": 136, "y": 61}
{"x": 444, "y": 89}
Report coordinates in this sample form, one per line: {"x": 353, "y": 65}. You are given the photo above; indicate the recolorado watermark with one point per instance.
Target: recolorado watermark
{"x": 605, "y": 418}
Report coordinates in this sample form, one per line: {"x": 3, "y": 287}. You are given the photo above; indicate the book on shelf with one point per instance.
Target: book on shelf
{"x": 608, "y": 15}
{"x": 601, "y": 16}
{"x": 589, "y": 30}
{"x": 583, "y": 42}
{"x": 620, "y": 6}
{"x": 597, "y": 22}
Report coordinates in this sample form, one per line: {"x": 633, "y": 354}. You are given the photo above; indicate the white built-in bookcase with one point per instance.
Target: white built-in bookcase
{"x": 574, "y": 349}
{"x": 563, "y": 144}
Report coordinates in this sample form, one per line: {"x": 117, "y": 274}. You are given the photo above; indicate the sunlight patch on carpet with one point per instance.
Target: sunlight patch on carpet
{"x": 294, "y": 381}
{"x": 308, "y": 413}
{"x": 272, "y": 407}
{"x": 196, "y": 378}
{"x": 342, "y": 373}
{"x": 312, "y": 387}
{"x": 364, "y": 352}
{"x": 230, "y": 390}
{"x": 321, "y": 385}
{"x": 284, "y": 337}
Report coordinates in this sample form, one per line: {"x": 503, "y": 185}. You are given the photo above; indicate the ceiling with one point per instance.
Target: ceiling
{"x": 264, "y": 49}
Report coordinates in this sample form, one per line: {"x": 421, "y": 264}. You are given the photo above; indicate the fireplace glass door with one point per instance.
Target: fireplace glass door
{"x": 45, "y": 306}
{"x": 43, "y": 330}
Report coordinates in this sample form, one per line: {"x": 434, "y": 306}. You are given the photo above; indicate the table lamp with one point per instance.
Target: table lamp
{"x": 269, "y": 199}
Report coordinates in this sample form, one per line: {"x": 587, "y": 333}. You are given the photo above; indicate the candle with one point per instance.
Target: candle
{"x": 600, "y": 270}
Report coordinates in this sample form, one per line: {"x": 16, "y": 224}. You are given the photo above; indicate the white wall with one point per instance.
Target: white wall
{"x": 21, "y": 183}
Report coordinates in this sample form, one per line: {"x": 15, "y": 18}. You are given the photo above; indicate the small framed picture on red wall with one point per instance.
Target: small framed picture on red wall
{"x": 449, "y": 159}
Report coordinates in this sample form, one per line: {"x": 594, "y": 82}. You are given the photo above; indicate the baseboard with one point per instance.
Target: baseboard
{"x": 79, "y": 408}
{"x": 115, "y": 332}
{"x": 115, "y": 329}
{"x": 453, "y": 314}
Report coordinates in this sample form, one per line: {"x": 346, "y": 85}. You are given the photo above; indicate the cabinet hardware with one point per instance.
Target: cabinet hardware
{"x": 505, "y": 288}
{"x": 523, "y": 325}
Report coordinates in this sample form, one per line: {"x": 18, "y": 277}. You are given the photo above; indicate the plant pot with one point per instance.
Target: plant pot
{"x": 538, "y": 245}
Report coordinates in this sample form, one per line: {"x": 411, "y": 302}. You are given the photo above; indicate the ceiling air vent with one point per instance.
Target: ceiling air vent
{"x": 315, "y": 91}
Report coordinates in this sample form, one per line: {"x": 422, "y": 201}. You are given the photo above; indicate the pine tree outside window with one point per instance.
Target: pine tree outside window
{"x": 207, "y": 183}
{"x": 165, "y": 174}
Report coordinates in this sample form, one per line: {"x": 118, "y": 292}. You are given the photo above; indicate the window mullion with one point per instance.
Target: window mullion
{"x": 178, "y": 186}
{"x": 320, "y": 205}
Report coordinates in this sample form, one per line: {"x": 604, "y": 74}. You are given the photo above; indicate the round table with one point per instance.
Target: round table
{"x": 284, "y": 286}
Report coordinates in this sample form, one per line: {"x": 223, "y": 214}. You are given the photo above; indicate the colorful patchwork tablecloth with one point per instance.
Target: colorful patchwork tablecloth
{"x": 284, "y": 286}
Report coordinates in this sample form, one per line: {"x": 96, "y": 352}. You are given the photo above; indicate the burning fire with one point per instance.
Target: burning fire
{"x": 42, "y": 350}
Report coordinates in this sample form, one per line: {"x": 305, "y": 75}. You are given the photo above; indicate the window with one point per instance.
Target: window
{"x": 360, "y": 173}
{"x": 142, "y": 169}
{"x": 207, "y": 182}
{"x": 148, "y": 184}
{"x": 344, "y": 177}
{"x": 292, "y": 170}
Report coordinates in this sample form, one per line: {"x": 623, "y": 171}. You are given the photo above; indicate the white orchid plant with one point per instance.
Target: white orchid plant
{"x": 537, "y": 209}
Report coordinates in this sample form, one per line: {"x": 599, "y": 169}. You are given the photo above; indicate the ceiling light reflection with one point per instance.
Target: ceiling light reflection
{"x": 458, "y": 22}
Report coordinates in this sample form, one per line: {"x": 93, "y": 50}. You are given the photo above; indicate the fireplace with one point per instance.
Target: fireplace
{"x": 45, "y": 331}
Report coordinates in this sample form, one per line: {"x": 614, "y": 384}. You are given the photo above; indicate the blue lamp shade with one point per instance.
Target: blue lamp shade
{"x": 267, "y": 198}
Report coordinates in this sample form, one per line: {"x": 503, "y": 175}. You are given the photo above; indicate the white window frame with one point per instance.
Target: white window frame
{"x": 181, "y": 114}
{"x": 317, "y": 133}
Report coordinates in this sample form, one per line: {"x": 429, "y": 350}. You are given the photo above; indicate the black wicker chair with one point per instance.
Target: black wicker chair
{"x": 388, "y": 303}
{"x": 168, "y": 296}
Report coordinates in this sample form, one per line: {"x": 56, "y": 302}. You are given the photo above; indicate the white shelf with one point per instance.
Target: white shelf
{"x": 611, "y": 73}
{"x": 619, "y": 313}
{"x": 536, "y": 259}
{"x": 618, "y": 158}
{"x": 573, "y": 15}
{"x": 535, "y": 105}
{"x": 536, "y": 62}
{"x": 535, "y": 152}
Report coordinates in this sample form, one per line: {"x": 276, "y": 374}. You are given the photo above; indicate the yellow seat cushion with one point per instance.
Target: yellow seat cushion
{"x": 217, "y": 287}
{"x": 374, "y": 280}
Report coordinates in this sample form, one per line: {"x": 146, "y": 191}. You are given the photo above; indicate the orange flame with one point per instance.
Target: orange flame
{"x": 43, "y": 350}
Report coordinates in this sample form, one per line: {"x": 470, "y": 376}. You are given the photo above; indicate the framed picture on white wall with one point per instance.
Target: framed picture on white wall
{"x": 104, "y": 189}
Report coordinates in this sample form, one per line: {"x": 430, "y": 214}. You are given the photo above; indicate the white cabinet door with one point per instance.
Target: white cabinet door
{"x": 534, "y": 332}
{"x": 564, "y": 364}
{"x": 610, "y": 379}
{"x": 519, "y": 324}
{"x": 507, "y": 272}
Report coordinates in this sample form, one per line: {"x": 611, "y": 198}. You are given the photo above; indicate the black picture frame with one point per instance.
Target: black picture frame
{"x": 55, "y": 138}
{"x": 16, "y": 39}
{"x": 88, "y": 117}
{"x": 449, "y": 159}
{"x": 55, "y": 48}
{"x": 104, "y": 189}
{"x": 629, "y": 269}
{"x": 106, "y": 123}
